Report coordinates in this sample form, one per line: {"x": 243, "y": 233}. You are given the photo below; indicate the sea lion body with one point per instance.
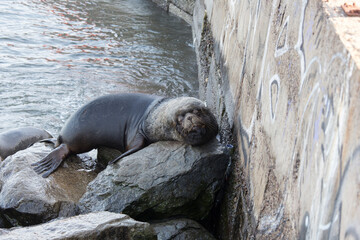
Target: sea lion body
{"x": 129, "y": 122}
{"x": 18, "y": 139}
{"x": 112, "y": 121}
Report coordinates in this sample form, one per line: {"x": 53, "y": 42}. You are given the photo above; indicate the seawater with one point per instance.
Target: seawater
{"x": 56, "y": 55}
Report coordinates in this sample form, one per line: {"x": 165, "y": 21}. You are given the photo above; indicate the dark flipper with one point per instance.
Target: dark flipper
{"x": 137, "y": 144}
{"x": 52, "y": 161}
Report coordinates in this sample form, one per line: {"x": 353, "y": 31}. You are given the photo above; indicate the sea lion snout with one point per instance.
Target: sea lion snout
{"x": 189, "y": 120}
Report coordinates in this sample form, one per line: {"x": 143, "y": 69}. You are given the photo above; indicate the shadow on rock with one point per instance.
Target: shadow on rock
{"x": 181, "y": 229}
{"x": 163, "y": 180}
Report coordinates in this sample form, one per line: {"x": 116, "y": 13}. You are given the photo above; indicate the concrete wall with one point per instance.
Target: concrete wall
{"x": 181, "y": 8}
{"x": 281, "y": 80}
{"x": 286, "y": 91}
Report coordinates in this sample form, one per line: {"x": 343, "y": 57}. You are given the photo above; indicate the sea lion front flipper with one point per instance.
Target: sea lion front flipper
{"x": 137, "y": 144}
{"x": 52, "y": 161}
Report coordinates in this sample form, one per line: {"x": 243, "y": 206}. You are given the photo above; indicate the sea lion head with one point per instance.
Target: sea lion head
{"x": 196, "y": 125}
{"x": 184, "y": 119}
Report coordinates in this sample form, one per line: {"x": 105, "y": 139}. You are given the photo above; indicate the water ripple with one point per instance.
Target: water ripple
{"x": 55, "y": 55}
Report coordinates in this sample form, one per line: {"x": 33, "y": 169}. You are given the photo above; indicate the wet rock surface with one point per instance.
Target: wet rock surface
{"x": 162, "y": 180}
{"x": 181, "y": 229}
{"x": 100, "y": 225}
{"x": 26, "y": 198}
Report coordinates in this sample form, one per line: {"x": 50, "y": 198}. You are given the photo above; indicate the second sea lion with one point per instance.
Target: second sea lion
{"x": 18, "y": 139}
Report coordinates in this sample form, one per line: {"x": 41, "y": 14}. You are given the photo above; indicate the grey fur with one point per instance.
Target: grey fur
{"x": 160, "y": 123}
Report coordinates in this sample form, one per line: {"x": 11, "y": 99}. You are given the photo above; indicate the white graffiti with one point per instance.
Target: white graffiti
{"x": 274, "y": 81}
{"x": 282, "y": 48}
{"x": 316, "y": 108}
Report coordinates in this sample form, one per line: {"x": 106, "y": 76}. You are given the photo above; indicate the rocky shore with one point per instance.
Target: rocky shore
{"x": 157, "y": 193}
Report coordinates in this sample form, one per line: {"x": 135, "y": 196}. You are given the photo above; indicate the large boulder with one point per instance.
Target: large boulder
{"x": 100, "y": 225}
{"x": 105, "y": 155}
{"x": 162, "y": 180}
{"x": 26, "y": 198}
{"x": 181, "y": 229}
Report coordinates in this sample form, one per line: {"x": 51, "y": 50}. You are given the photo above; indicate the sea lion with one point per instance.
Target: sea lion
{"x": 129, "y": 122}
{"x": 18, "y": 139}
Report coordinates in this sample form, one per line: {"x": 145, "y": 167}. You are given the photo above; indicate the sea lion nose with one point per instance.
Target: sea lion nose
{"x": 199, "y": 129}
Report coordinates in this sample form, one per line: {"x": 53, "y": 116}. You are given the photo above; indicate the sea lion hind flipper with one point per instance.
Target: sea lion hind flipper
{"x": 52, "y": 161}
{"x": 135, "y": 146}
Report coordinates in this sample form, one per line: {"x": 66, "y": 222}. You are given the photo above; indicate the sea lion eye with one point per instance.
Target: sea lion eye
{"x": 180, "y": 118}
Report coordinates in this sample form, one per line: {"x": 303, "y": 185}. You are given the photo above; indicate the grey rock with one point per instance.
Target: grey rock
{"x": 181, "y": 229}
{"x": 26, "y": 198}
{"x": 162, "y": 180}
{"x": 100, "y": 225}
{"x": 105, "y": 155}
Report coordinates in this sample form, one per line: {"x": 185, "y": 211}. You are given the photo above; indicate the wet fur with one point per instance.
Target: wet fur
{"x": 18, "y": 139}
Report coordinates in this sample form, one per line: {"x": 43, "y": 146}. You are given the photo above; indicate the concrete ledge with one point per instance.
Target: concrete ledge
{"x": 180, "y": 13}
{"x": 180, "y": 8}
{"x": 348, "y": 28}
